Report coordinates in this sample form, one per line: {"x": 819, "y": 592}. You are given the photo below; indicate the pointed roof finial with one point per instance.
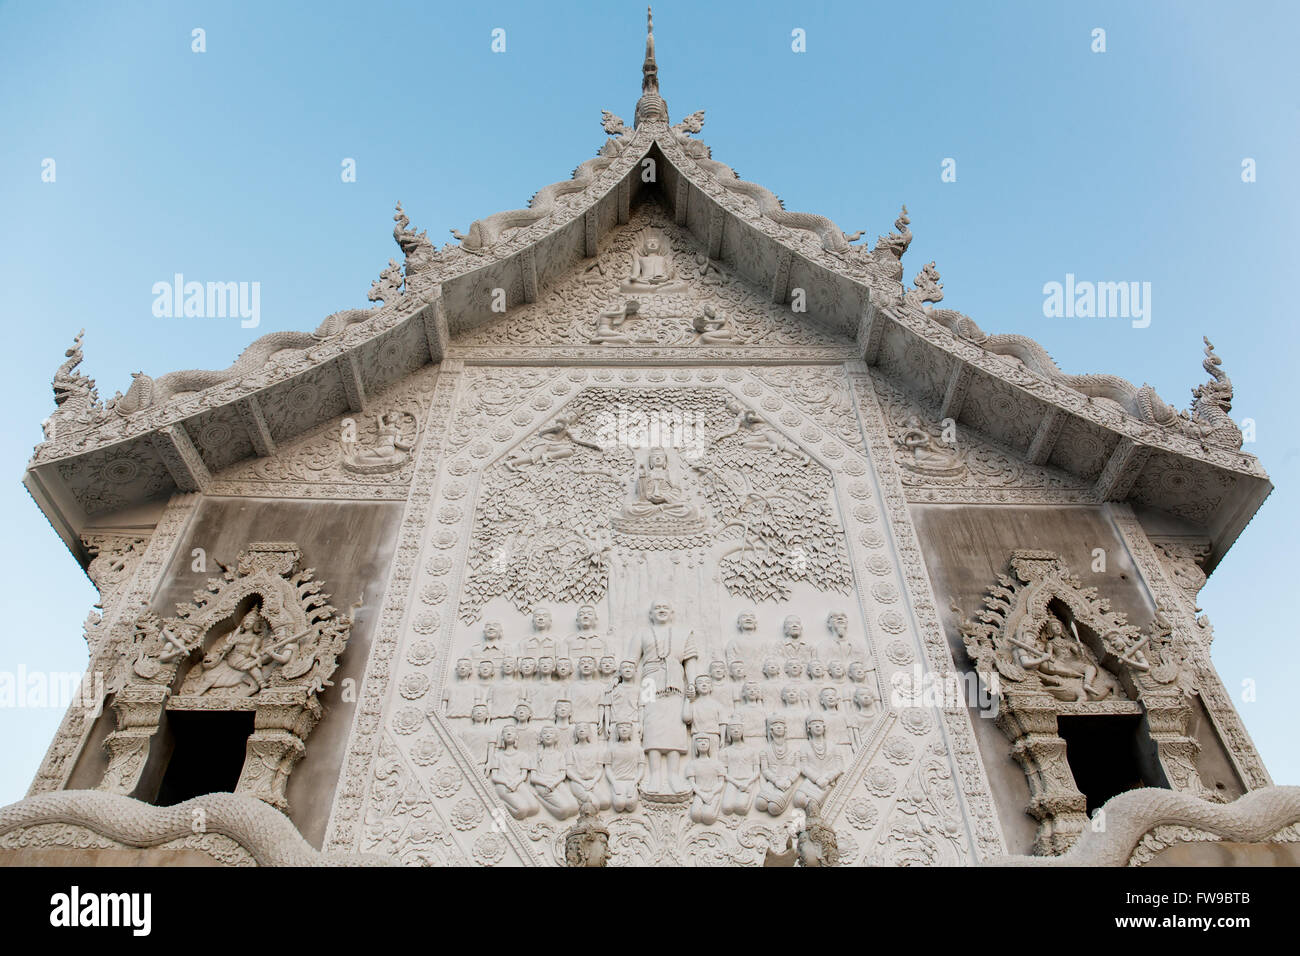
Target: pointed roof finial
{"x": 651, "y": 105}
{"x": 649, "y": 69}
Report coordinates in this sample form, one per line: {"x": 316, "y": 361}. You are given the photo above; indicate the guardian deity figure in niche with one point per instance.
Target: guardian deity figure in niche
{"x": 1067, "y": 669}
{"x": 240, "y": 659}
{"x": 668, "y": 657}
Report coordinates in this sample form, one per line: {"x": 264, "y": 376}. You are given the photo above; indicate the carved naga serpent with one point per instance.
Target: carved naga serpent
{"x": 1212, "y": 402}
{"x": 488, "y": 231}
{"x": 145, "y": 391}
{"x": 770, "y": 206}
{"x": 886, "y": 253}
{"x": 1208, "y": 421}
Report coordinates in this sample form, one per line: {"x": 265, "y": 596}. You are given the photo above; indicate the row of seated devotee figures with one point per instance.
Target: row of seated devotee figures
{"x": 749, "y": 646}
{"x": 542, "y": 644}
{"x": 702, "y": 708}
{"x": 717, "y": 779}
{"x": 601, "y": 693}
{"x": 583, "y": 667}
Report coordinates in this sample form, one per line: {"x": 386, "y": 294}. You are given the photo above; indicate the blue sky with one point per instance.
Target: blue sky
{"x": 225, "y": 165}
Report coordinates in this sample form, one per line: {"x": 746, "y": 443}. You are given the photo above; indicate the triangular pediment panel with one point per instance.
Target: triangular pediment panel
{"x": 652, "y": 286}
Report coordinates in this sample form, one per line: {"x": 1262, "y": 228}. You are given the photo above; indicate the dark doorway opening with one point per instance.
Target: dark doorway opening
{"x": 208, "y": 755}
{"x": 1109, "y": 754}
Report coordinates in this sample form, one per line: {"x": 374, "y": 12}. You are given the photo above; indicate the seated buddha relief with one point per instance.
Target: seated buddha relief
{"x": 652, "y": 266}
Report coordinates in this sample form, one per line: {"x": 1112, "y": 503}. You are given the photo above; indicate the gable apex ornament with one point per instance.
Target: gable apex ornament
{"x": 651, "y": 108}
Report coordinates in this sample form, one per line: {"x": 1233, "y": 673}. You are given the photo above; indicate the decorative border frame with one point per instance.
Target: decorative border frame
{"x": 976, "y": 795}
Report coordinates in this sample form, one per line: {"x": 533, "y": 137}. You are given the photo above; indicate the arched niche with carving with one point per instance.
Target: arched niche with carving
{"x": 1056, "y": 649}
{"x": 263, "y": 638}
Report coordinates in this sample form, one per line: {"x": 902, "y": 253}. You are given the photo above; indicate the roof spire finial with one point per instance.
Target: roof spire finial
{"x": 651, "y": 105}
{"x": 649, "y": 69}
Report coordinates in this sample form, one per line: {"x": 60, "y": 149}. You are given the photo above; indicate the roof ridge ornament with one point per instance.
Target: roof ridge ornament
{"x": 889, "y": 250}
{"x": 651, "y": 106}
{"x": 649, "y": 69}
{"x": 76, "y": 399}
{"x": 1209, "y": 417}
{"x": 415, "y": 245}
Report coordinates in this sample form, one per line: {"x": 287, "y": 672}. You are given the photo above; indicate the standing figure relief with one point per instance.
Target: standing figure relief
{"x": 556, "y": 724}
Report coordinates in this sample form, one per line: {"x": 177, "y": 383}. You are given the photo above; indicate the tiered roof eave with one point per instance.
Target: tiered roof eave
{"x": 428, "y": 301}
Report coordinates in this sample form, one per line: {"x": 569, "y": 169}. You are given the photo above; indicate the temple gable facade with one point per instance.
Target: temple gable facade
{"x": 650, "y": 524}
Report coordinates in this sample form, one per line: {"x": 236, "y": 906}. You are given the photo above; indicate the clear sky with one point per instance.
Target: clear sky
{"x": 225, "y": 166}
